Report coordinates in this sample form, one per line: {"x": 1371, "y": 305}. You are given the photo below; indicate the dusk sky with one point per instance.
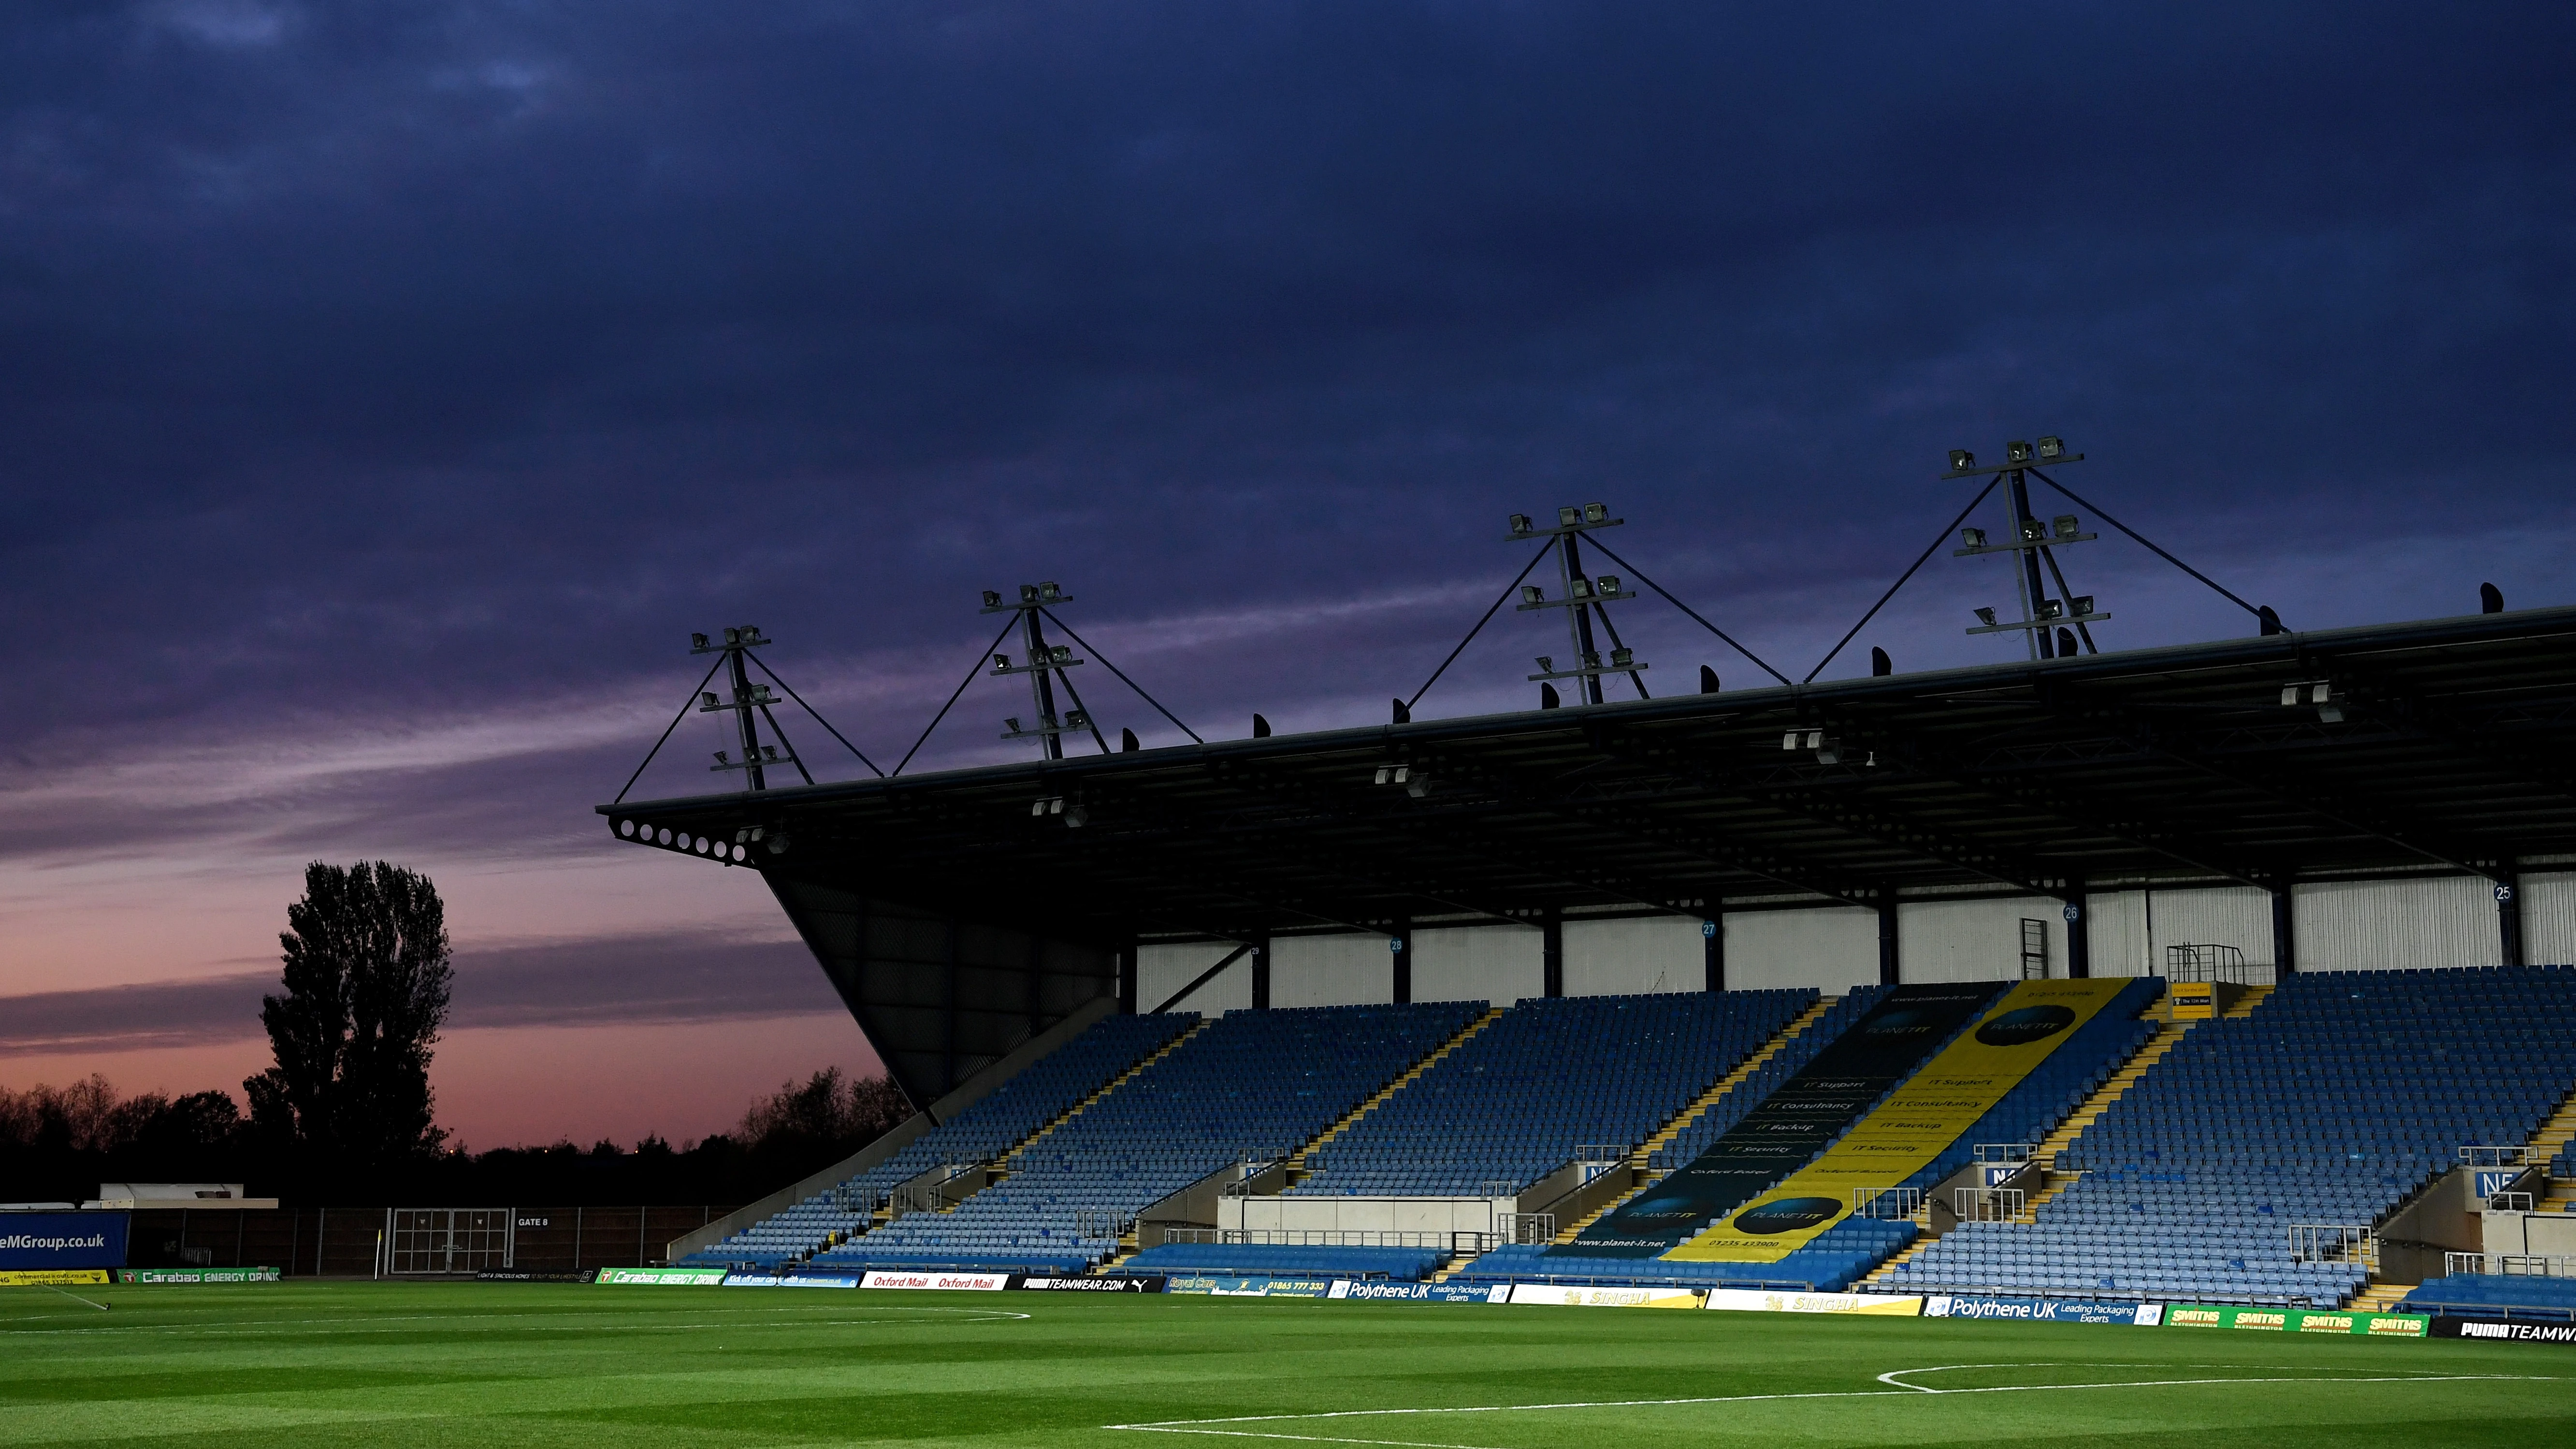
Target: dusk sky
{"x": 387, "y": 391}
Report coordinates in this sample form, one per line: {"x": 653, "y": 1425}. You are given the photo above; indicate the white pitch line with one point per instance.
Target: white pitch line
{"x": 1199, "y": 1426}
{"x": 417, "y": 1322}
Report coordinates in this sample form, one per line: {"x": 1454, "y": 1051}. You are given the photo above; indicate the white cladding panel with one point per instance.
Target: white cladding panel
{"x": 2238, "y": 916}
{"x": 1162, "y": 970}
{"x": 2395, "y": 925}
{"x": 1330, "y": 970}
{"x": 1639, "y": 955}
{"x": 2549, "y": 920}
{"x": 2115, "y": 925}
{"x": 1830, "y": 948}
{"x": 1500, "y": 964}
{"x": 1975, "y": 940}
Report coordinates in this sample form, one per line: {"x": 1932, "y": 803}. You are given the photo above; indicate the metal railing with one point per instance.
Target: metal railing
{"x": 2499, "y": 1156}
{"x": 1102, "y": 1223}
{"x": 2512, "y": 1265}
{"x": 1467, "y": 1241}
{"x": 2334, "y": 1243}
{"x": 1526, "y": 1229}
{"x": 1890, "y": 1203}
{"x": 2210, "y": 962}
{"x": 1498, "y": 1187}
{"x": 2510, "y": 1202}
{"x": 2001, "y": 1154}
{"x": 1987, "y": 1204}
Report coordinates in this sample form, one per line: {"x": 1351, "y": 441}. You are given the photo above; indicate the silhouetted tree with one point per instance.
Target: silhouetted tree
{"x": 366, "y": 990}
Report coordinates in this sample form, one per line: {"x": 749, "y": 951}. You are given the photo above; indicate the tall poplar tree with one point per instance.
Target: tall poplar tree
{"x": 366, "y": 990}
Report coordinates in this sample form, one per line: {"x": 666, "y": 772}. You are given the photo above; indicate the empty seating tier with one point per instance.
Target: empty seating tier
{"x": 2327, "y": 1106}
{"x": 1516, "y": 1101}
{"x": 980, "y": 1132}
{"x": 1252, "y": 1087}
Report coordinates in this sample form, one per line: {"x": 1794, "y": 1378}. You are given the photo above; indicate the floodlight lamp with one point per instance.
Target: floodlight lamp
{"x": 2051, "y": 448}
{"x": 1076, "y": 818}
{"x": 722, "y": 758}
{"x": 1520, "y": 525}
{"x": 1961, "y": 460}
{"x": 1028, "y": 593}
{"x": 1830, "y": 753}
{"x": 1580, "y": 588}
{"x": 1403, "y": 773}
{"x": 2321, "y": 694}
{"x": 2065, "y": 525}
{"x": 1592, "y": 660}
{"x": 1383, "y": 771}
{"x": 1622, "y": 658}
{"x": 1533, "y": 594}
{"x": 1973, "y": 537}
{"x": 1609, "y": 585}
{"x": 1596, "y": 512}
{"x": 2081, "y": 606}
{"x": 1815, "y": 739}
{"x": 2033, "y": 531}
{"x": 697, "y": 641}
{"x": 710, "y": 701}
{"x": 733, "y": 636}
{"x": 1050, "y": 593}
{"x": 1001, "y": 661}
{"x": 1036, "y": 808}
{"x": 1077, "y": 719}
{"x": 1986, "y": 615}
{"x": 1012, "y": 723}
{"x": 1566, "y": 517}
{"x": 2289, "y": 694}
{"x": 1060, "y": 653}
{"x": 769, "y": 753}
{"x": 1418, "y": 786}
{"x": 2330, "y": 713}
{"x": 1547, "y": 664}
{"x": 778, "y": 843}
{"x": 2017, "y": 451}
{"x": 992, "y": 598}
{"x": 2052, "y": 609}
{"x": 1789, "y": 741}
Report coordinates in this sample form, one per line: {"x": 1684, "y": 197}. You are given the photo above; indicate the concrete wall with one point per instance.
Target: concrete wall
{"x": 1363, "y": 1214}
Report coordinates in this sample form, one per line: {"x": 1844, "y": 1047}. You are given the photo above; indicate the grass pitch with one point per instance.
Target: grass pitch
{"x": 262, "y": 1366}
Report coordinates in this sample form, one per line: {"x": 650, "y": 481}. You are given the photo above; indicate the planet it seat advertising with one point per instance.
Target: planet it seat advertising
{"x": 1791, "y": 1125}
{"x": 1916, "y": 1123}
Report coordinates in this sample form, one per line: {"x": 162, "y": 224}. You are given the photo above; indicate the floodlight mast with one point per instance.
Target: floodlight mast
{"x": 748, "y": 700}
{"x": 1046, "y": 665}
{"x": 2042, "y": 618}
{"x": 1584, "y": 598}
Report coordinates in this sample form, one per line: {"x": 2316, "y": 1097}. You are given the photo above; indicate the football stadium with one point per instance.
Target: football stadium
{"x": 2092, "y": 1046}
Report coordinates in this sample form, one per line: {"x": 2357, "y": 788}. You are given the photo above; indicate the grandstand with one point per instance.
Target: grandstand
{"x": 1739, "y": 988}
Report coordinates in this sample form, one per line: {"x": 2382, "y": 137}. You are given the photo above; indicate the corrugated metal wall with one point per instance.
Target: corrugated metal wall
{"x": 1640, "y": 954}
{"x": 2115, "y": 924}
{"x": 1331, "y": 970}
{"x": 2396, "y": 925}
{"x": 2549, "y": 919}
{"x": 1835, "y": 948}
{"x": 1476, "y": 963}
{"x": 1162, "y": 970}
{"x": 1975, "y": 940}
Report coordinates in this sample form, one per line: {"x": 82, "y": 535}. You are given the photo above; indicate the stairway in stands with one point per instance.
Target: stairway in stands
{"x": 1001, "y": 1167}
{"x": 1645, "y": 1153}
{"x": 2044, "y": 1156}
{"x": 1297, "y": 1169}
{"x": 2546, "y": 1146}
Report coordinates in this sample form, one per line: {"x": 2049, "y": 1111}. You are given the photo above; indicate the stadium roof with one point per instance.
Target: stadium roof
{"x": 2443, "y": 744}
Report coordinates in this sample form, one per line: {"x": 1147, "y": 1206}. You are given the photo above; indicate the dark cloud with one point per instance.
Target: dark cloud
{"x": 372, "y": 369}
{"x": 661, "y": 977}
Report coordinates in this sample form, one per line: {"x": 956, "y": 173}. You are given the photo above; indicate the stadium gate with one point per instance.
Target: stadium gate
{"x": 450, "y": 1240}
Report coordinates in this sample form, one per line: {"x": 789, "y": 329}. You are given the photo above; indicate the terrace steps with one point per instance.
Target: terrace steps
{"x": 1297, "y": 1160}
{"x": 1681, "y": 1121}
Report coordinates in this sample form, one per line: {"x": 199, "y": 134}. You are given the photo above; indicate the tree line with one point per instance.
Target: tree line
{"x": 346, "y": 1115}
